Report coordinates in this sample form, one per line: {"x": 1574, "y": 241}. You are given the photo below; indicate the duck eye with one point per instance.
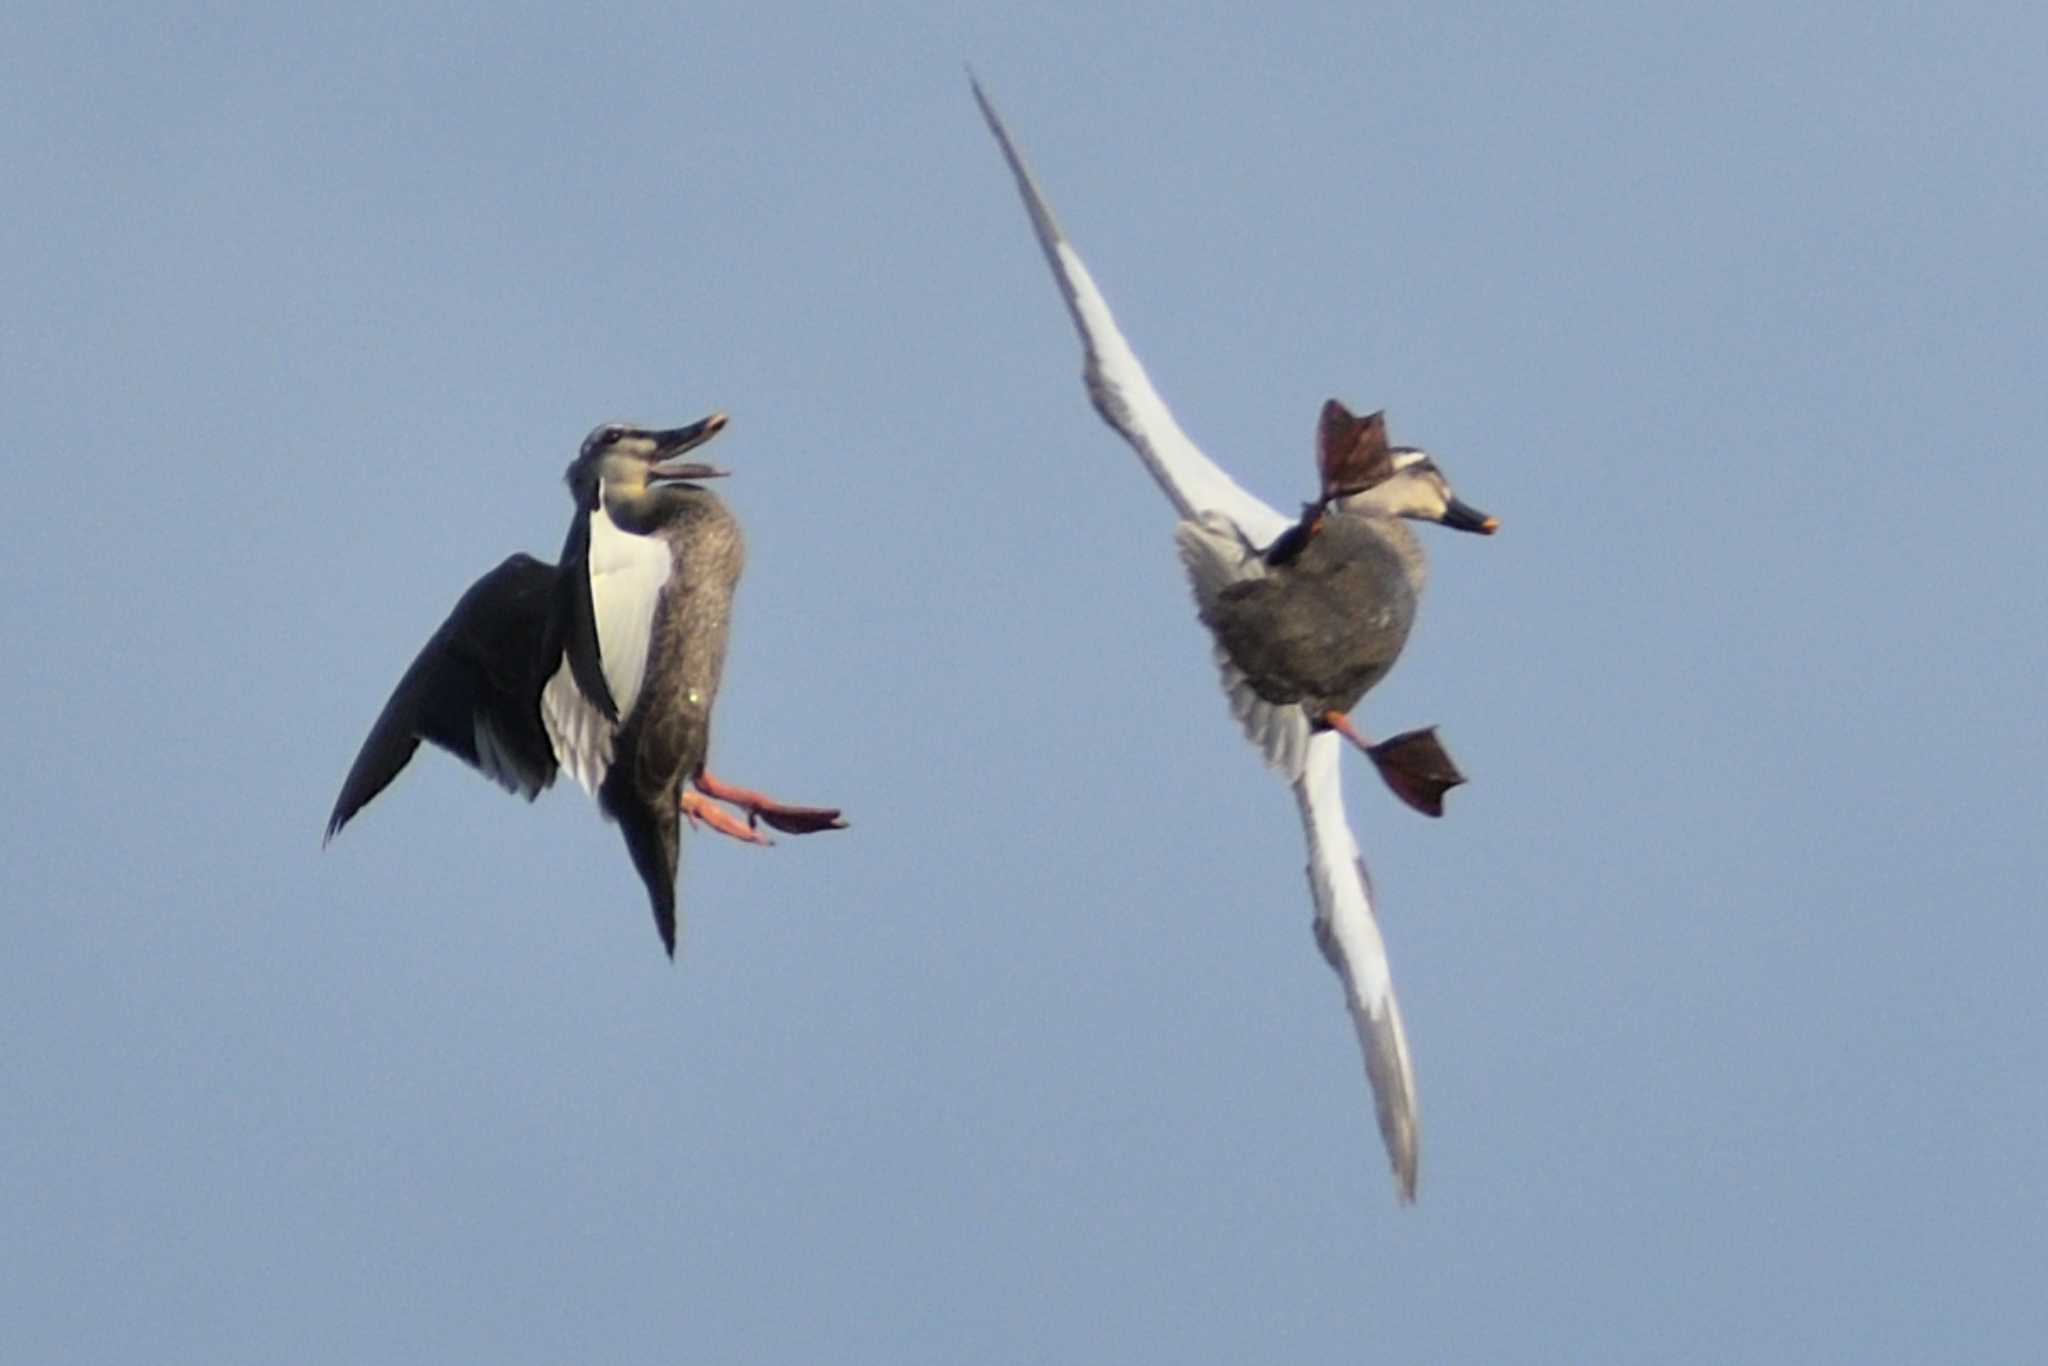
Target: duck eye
{"x": 613, "y": 434}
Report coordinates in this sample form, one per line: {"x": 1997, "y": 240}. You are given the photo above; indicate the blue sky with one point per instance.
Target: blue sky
{"x": 1722, "y": 974}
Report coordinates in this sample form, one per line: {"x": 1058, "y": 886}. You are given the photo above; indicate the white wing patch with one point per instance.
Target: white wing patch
{"x": 1349, "y": 937}
{"x": 579, "y": 732}
{"x": 1215, "y": 556}
{"x": 1124, "y": 395}
{"x": 627, "y": 574}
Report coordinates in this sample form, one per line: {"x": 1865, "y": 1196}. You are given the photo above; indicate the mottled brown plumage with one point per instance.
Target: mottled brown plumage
{"x": 666, "y": 739}
{"x": 1326, "y": 626}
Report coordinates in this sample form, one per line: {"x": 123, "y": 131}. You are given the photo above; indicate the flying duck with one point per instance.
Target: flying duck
{"x": 1306, "y": 614}
{"x": 606, "y": 664}
{"x": 1318, "y": 617}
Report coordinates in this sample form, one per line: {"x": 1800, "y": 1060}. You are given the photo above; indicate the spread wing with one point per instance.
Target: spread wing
{"x": 1218, "y": 517}
{"x": 1349, "y": 937}
{"x": 474, "y": 690}
{"x": 1118, "y": 384}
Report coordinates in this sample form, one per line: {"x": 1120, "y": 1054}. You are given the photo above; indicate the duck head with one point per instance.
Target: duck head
{"x": 1416, "y": 488}
{"x": 1362, "y": 473}
{"x": 627, "y": 463}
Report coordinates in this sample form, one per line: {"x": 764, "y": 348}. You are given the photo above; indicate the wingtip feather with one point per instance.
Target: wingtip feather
{"x": 1348, "y": 935}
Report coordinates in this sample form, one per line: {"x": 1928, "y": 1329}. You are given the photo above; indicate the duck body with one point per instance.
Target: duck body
{"x": 664, "y": 740}
{"x": 1321, "y": 628}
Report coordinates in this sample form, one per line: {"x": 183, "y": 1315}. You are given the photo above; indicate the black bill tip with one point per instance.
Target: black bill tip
{"x": 1462, "y": 516}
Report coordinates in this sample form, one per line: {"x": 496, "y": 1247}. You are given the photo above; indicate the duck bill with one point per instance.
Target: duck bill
{"x": 1462, "y": 516}
{"x": 671, "y": 446}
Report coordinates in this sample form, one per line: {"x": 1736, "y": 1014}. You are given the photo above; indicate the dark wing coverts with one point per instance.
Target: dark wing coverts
{"x": 474, "y": 691}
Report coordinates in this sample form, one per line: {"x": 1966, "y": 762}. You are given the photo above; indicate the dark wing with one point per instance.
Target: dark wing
{"x": 1291, "y": 542}
{"x": 474, "y": 691}
{"x": 575, "y": 623}
{"x": 1351, "y": 452}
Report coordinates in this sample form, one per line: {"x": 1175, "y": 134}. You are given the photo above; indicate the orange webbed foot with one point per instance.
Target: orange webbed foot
{"x": 701, "y": 809}
{"x": 784, "y": 816}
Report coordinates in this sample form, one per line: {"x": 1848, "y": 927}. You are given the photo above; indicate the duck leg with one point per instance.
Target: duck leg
{"x": 790, "y": 820}
{"x": 700, "y": 808}
{"x": 1412, "y": 763}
